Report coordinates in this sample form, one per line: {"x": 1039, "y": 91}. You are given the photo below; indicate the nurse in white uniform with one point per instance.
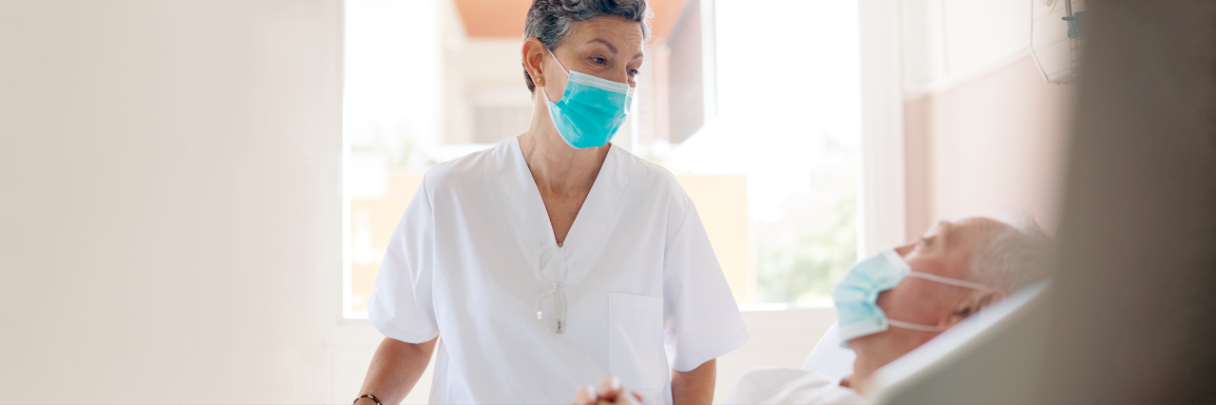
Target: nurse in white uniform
{"x": 554, "y": 259}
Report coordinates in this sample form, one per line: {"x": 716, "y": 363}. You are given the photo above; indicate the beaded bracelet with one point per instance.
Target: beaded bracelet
{"x": 368, "y": 396}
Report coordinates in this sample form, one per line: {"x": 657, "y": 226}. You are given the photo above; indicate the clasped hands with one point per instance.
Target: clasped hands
{"x": 608, "y": 391}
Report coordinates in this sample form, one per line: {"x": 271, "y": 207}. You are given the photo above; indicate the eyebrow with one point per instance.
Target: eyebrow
{"x": 612, "y": 48}
{"x": 946, "y": 232}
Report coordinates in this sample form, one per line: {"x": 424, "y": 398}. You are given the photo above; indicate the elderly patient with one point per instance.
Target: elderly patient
{"x": 895, "y": 301}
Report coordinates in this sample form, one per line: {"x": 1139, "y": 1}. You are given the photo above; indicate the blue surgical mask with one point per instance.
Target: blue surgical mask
{"x": 856, "y": 295}
{"x": 591, "y": 109}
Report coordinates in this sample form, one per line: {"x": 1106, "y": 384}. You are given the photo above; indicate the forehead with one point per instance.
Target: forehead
{"x": 612, "y": 28}
{"x": 964, "y": 233}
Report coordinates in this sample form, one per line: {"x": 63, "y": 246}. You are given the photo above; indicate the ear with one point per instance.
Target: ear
{"x": 533, "y": 53}
{"x": 974, "y": 302}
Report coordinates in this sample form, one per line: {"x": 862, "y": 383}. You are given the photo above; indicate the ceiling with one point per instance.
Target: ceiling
{"x": 505, "y": 18}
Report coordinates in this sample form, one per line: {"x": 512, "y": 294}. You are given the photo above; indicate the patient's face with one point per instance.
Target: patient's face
{"x": 944, "y": 250}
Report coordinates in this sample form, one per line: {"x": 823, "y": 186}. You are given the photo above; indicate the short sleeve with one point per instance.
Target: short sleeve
{"x": 702, "y": 319}
{"x": 402, "y": 306}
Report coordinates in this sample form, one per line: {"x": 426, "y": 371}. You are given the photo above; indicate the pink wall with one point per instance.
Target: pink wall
{"x": 991, "y": 145}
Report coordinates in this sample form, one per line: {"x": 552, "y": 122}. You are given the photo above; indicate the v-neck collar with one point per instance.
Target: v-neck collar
{"x": 527, "y": 211}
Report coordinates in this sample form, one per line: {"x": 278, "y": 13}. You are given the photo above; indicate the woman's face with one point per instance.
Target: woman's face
{"x": 608, "y": 47}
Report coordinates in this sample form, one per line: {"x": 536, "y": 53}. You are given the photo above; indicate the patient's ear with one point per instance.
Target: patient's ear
{"x": 975, "y": 301}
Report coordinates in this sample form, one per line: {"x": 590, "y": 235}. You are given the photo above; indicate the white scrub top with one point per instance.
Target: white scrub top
{"x": 644, "y": 290}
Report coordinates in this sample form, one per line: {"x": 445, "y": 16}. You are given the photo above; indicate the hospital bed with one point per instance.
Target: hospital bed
{"x": 993, "y": 357}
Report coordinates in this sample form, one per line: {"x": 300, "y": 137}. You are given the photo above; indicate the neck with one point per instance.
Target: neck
{"x": 555, "y": 165}
{"x": 873, "y": 352}
{"x": 863, "y": 369}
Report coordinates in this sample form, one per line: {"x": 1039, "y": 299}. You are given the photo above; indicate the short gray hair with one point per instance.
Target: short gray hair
{"x": 550, "y": 21}
{"x": 1014, "y": 256}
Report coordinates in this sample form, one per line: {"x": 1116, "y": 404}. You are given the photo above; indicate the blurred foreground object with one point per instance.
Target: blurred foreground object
{"x": 1132, "y": 315}
{"x": 1128, "y": 318}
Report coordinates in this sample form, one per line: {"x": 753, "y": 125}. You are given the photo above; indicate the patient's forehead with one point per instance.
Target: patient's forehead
{"x": 965, "y": 233}
{"x": 955, "y": 243}
{"x": 980, "y": 224}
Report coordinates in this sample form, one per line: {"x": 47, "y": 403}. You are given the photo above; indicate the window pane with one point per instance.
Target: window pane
{"x": 788, "y": 102}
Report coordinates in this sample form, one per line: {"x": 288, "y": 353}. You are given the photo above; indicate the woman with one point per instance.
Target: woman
{"x": 554, "y": 259}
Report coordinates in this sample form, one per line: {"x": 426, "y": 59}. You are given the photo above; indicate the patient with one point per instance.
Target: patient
{"x": 894, "y": 302}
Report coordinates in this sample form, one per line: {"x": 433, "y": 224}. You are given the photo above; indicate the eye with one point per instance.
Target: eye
{"x": 598, "y": 60}
{"x": 633, "y": 72}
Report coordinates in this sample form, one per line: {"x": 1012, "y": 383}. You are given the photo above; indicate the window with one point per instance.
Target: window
{"x": 789, "y": 118}
{"x": 756, "y": 111}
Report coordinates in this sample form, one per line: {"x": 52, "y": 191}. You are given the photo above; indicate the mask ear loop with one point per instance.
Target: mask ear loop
{"x": 947, "y": 280}
{"x": 559, "y": 64}
{"x": 940, "y": 279}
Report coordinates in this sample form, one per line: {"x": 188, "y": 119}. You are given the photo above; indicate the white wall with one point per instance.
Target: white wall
{"x": 170, "y": 226}
{"x": 948, "y": 42}
{"x": 999, "y": 145}
{"x": 984, "y": 132}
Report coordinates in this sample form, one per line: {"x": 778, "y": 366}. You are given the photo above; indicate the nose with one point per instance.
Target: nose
{"x": 905, "y": 249}
{"x": 619, "y": 75}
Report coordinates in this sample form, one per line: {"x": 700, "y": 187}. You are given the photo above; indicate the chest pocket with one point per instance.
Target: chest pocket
{"x": 635, "y": 341}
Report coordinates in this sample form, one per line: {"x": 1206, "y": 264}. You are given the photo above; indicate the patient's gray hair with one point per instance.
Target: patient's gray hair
{"x": 1014, "y": 256}
{"x": 550, "y": 21}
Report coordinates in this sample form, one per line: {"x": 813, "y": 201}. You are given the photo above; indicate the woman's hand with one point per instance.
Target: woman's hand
{"x": 609, "y": 391}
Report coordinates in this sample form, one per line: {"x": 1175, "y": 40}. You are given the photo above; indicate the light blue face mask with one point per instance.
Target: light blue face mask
{"x": 591, "y": 109}
{"x": 856, "y": 295}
